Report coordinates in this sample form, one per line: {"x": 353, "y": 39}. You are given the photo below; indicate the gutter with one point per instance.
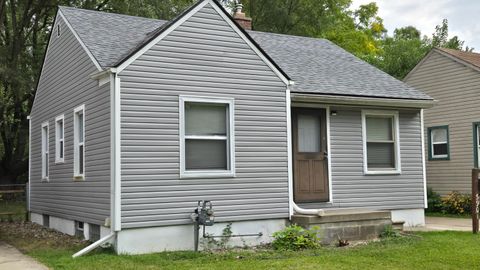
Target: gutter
{"x": 115, "y": 174}
{"x": 363, "y": 101}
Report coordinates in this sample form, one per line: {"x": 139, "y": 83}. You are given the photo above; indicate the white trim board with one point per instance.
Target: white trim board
{"x": 424, "y": 169}
{"x": 251, "y": 45}
{"x": 94, "y": 60}
{"x": 115, "y": 153}
{"x": 162, "y": 35}
{"x": 185, "y": 17}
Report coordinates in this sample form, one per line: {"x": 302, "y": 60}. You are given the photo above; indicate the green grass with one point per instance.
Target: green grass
{"x": 17, "y": 207}
{"x": 439, "y": 214}
{"x": 426, "y": 250}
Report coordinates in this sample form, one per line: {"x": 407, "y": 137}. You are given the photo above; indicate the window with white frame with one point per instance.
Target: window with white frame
{"x": 59, "y": 139}
{"x": 381, "y": 142}
{"x": 206, "y": 131}
{"x": 438, "y": 143}
{"x": 79, "y": 142}
{"x": 45, "y": 151}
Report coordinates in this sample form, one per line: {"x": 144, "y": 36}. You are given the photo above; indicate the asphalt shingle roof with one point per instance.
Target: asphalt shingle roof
{"x": 316, "y": 65}
{"x": 109, "y": 36}
{"x": 469, "y": 57}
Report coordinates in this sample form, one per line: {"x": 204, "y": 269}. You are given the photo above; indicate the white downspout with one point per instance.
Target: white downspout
{"x": 94, "y": 245}
{"x": 115, "y": 185}
{"x": 29, "y": 162}
{"x": 293, "y": 207}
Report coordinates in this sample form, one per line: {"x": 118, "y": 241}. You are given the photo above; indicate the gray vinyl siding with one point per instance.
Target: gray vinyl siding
{"x": 65, "y": 84}
{"x": 351, "y": 188}
{"x": 456, "y": 88}
{"x": 202, "y": 57}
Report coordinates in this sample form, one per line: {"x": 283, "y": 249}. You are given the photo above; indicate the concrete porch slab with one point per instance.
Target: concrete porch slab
{"x": 444, "y": 224}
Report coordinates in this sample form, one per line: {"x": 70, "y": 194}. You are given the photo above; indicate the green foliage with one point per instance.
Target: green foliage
{"x": 210, "y": 243}
{"x": 434, "y": 201}
{"x": 295, "y": 237}
{"x": 457, "y": 203}
{"x": 389, "y": 232}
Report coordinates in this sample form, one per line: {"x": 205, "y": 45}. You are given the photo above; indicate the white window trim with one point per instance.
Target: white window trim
{"x": 396, "y": 132}
{"x": 76, "y": 175}
{"x": 59, "y": 159}
{"x": 230, "y": 138}
{"x": 45, "y": 150}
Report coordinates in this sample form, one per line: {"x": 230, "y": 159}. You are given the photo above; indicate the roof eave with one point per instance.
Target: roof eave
{"x": 362, "y": 101}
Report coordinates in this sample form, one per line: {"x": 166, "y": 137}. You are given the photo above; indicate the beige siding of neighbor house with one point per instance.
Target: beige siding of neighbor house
{"x": 456, "y": 88}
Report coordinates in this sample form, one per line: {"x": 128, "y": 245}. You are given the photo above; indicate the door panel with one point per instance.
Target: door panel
{"x": 310, "y": 155}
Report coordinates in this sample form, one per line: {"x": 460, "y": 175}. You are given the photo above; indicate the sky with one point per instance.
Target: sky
{"x": 462, "y": 15}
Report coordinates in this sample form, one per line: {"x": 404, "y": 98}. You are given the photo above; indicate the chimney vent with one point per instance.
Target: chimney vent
{"x": 240, "y": 18}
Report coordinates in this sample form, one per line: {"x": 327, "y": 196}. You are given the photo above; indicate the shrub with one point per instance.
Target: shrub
{"x": 389, "y": 232}
{"x": 457, "y": 203}
{"x": 434, "y": 201}
{"x": 295, "y": 237}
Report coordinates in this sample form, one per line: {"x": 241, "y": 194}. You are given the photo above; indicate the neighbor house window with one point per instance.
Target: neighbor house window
{"x": 381, "y": 142}
{"x": 79, "y": 142}
{"x": 59, "y": 139}
{"x": 438, "y": 144}
{"x": 45, "y": 151}
{"x": 206, "y": 137}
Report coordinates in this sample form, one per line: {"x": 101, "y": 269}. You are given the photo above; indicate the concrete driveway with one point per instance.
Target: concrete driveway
{"x": 444, "y": 224}
{"x": 12, "y": 259}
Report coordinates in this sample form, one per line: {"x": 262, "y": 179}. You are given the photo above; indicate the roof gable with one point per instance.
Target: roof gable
{"x": 179, "y": 20}
{"x": 315, "y": 65}
{"x": 109, "y": 36}
{"x": 469, "y": 58}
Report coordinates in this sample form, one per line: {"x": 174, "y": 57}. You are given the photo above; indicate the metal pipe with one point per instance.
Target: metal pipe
{"x": 233, "y": 235}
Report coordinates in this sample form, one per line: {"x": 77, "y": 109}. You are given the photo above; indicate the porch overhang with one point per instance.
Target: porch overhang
{"x": 360, "y": 101}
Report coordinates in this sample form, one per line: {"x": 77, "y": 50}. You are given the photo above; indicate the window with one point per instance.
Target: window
{"x": 206, "y": 137}
{"x": 45, "y": 151}
{"x": 381, "y": 142}
{"x": 438, "y": 144}
{"x": 79, "y": 142}
{"x": 59, "y": 142}
{"x": 476, "y": 144}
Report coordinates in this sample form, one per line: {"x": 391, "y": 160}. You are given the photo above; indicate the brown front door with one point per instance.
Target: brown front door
{"x": 310, "y": 167}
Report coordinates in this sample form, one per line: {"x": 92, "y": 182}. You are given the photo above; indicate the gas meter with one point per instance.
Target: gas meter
{"x": 202, "y": 215}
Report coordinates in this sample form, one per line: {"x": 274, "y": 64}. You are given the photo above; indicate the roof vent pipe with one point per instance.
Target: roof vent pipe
{"x": 240, "y": 18}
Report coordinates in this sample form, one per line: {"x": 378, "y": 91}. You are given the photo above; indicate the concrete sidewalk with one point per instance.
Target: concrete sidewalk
{"x": 444, "y": 224}
{"x": 12, "y": 259}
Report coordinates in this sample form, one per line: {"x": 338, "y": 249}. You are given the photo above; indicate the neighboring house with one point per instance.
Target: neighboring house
{"x": 136, "y": 119}
{"x": 452, "y": 78}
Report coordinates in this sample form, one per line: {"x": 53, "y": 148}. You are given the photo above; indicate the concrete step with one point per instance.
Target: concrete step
{"x": 346, "y": 224}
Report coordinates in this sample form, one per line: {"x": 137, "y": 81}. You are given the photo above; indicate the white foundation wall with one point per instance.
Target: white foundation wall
{"x": 36, "y": 218}
{"x": 66, "y": 226}
{"x": 62, "y": 225}
{"x": 181, "y": 237}
{"x": 411, "y": 217}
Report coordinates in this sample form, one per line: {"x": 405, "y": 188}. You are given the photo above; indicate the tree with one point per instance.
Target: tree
{"x": 24, "y": 32}
{"x": 23, "y": 35}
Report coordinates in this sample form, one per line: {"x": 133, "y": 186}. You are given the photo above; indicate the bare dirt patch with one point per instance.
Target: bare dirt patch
{"x": 28, "y": 236}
